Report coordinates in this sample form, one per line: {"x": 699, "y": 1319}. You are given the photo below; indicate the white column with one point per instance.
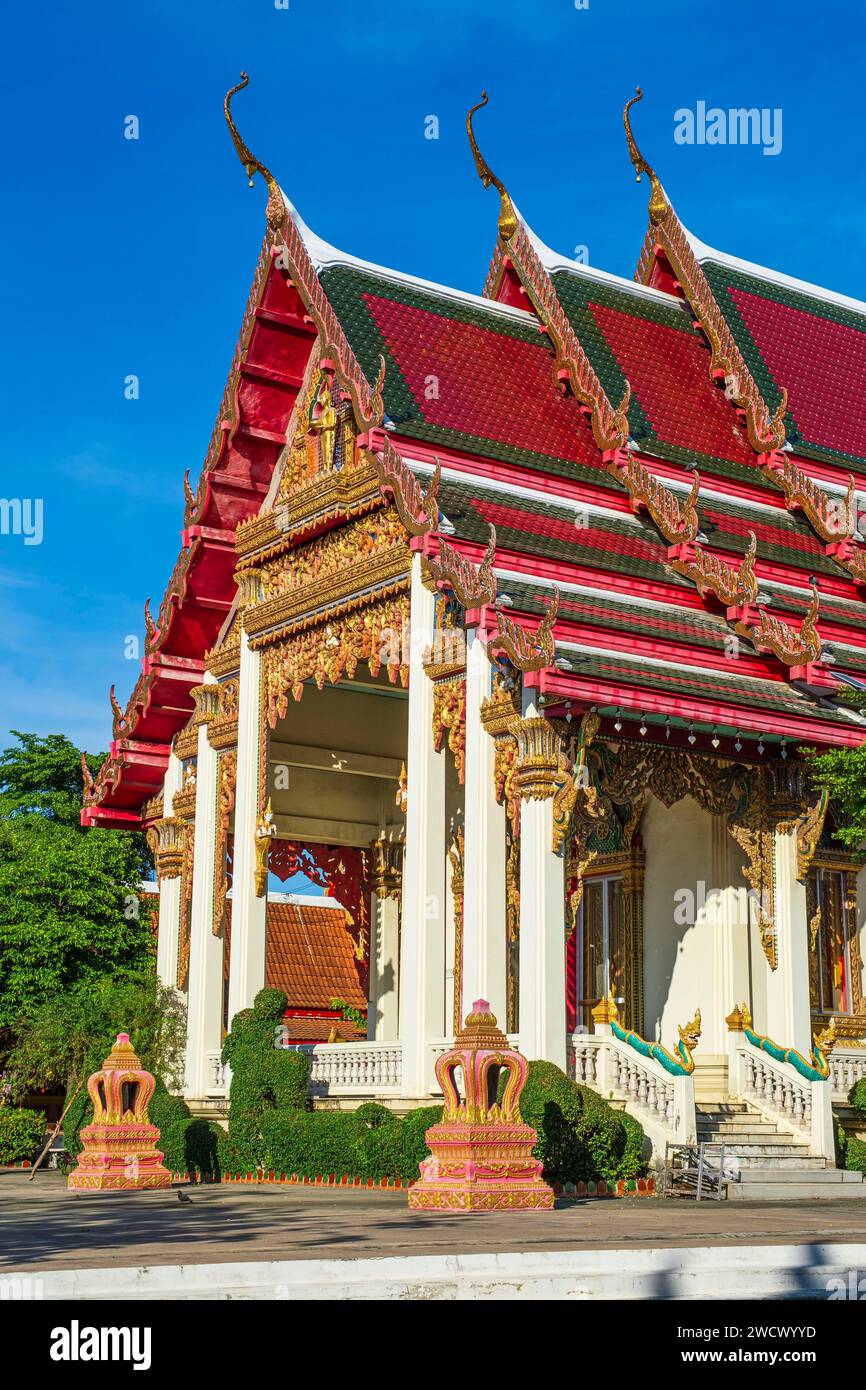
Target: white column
{"x": 422, "y": 962}
{"x": 542, "y": 927}
{"x": 169, "y": 892}
{"x": 789, "y": 1020}
{"x": 205, "y": 996}
{"x": 384, "y": 969}
{"x": 249, "y": 913}
{"x": 484, "y": 945}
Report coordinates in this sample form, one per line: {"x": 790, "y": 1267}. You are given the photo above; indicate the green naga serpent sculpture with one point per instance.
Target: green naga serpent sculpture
{"x": 680, "y": 1063}
{"x": 814, "y": 1068}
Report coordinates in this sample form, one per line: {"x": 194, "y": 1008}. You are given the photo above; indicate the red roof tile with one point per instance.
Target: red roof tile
{"x": 488, "y": 384}
{"x": 305, "y": 1030}
{"x": 668, "y": 371}
{"x": 822, "y": 364}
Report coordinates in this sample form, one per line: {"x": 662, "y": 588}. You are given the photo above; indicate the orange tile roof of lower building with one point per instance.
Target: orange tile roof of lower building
{"x": 309, "y": 955}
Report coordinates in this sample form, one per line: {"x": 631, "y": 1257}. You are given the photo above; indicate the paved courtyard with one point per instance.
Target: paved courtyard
{"x": 43, "y": 1227}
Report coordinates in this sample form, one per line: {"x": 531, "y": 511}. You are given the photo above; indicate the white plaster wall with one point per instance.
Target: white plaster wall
{"x": 678, "y": 959}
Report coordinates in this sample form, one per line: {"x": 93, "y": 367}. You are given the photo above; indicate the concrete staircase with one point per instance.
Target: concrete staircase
{"x": 765, "y": 1163}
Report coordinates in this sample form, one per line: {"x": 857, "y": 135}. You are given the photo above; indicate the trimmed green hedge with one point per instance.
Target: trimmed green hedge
{"x": 273, "y": 1127}
{"x": 580, "y": 1136}
{"x": 21, "y": 1133}
{"x": 189, "y": 1145}
{"x": 370, "y": 1142}
{"x": 852, "y": 1152}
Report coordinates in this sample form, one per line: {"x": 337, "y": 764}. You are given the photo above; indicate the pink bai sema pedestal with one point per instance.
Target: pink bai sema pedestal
{"x": 481, "y": 1151}
{"x": 120, "y": 1153}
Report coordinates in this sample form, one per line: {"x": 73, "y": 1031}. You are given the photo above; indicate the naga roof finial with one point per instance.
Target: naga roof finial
{"x": 507, "y": 215}
{"x": 247, "y": 159}
{"x": 658, "y": 204}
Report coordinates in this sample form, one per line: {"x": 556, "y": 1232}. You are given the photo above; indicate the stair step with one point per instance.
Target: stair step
{"x": 734, "y": 1121}
{"x": 731, "y": 1107}
{"x": 756, "y": 1135}
{"x": 776, "y": 1163}
{"x": 770, "y": 1149}
{"x": 783, "y": 1176}
{"x": 770, "y": 1192}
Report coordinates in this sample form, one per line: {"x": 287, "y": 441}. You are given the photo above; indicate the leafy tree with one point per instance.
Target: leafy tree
{"x": 69, "y": 907}
{"x": 60, "y": 1042}
{"x": 842, "y": 772}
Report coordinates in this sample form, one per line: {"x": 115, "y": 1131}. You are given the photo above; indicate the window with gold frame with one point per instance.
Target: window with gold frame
{"x": 608, "y": 946}
{"x": 835, "y": 966}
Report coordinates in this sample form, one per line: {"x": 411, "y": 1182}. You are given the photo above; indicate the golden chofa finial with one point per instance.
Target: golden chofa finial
{"x": 507, "y": 215}
{"x": 658, "y": 205}
{"x": 247, "y": 159}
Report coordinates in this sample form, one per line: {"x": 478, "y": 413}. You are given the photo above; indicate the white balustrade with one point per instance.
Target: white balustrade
{"x": 663, "y": 1103}
{"x": 846, "y": 1069}
{"x": 216, "y": 1075}
{"x": 777, "y": 1089}
{"x": 793, "y": 1102}
{"x": 355, "y": 1069}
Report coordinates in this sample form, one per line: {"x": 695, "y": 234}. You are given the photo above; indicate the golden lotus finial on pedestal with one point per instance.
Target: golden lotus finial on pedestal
{"x": 120, "y": 1153}
{"x": 481, "y": 1150}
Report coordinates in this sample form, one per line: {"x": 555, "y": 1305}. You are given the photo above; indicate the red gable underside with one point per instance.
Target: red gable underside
{"x": 248, "y": 437}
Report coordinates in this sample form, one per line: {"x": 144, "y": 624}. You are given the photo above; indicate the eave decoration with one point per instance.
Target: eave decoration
{"x": 473, "y": 586}
{"x": 676, "y": 519}
{"x": 734, "y": 586}
{"x": 833, "y": 521}
{"x": 792, "y": 647}
{"x": 526, "y": 650}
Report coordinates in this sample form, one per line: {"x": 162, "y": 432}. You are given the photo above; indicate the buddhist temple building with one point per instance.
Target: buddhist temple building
{"x": 509, "y": 618}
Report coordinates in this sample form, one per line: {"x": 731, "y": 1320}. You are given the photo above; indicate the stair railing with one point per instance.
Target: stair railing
{"x": 791, "y": 1090}
{"x": 656, "y": 1086}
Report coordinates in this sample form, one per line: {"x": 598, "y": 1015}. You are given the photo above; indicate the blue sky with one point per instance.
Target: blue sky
{"x": 136, "y": 256}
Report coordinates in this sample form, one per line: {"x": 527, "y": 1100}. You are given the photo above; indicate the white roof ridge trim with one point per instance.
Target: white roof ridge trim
{"x": 325, "y": 257}
{"x": 773, "y": 277}
{"x": 555, "y": 260}
{"x": 516, "y": 490}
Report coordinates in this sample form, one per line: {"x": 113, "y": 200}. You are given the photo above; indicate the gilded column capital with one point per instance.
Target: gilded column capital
{"x": 538, "y": 748}
{"x": 165, "y": 838}
{"x": 386, "y": 868}
{"x": 183, "y": 801}
{"x": 499, "y": 711}
{"x": 249, "y": 581}
{"x": 206, "y": 699}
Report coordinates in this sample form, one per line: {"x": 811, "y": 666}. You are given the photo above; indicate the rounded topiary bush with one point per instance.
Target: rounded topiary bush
{"x": 857, "y": 1095}
{"x": 265, "y": 1077}
{"x": 21, "y": 1134}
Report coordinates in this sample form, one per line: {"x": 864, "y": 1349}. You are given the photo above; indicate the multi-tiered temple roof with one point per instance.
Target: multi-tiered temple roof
{"x": 672, "y": 467}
